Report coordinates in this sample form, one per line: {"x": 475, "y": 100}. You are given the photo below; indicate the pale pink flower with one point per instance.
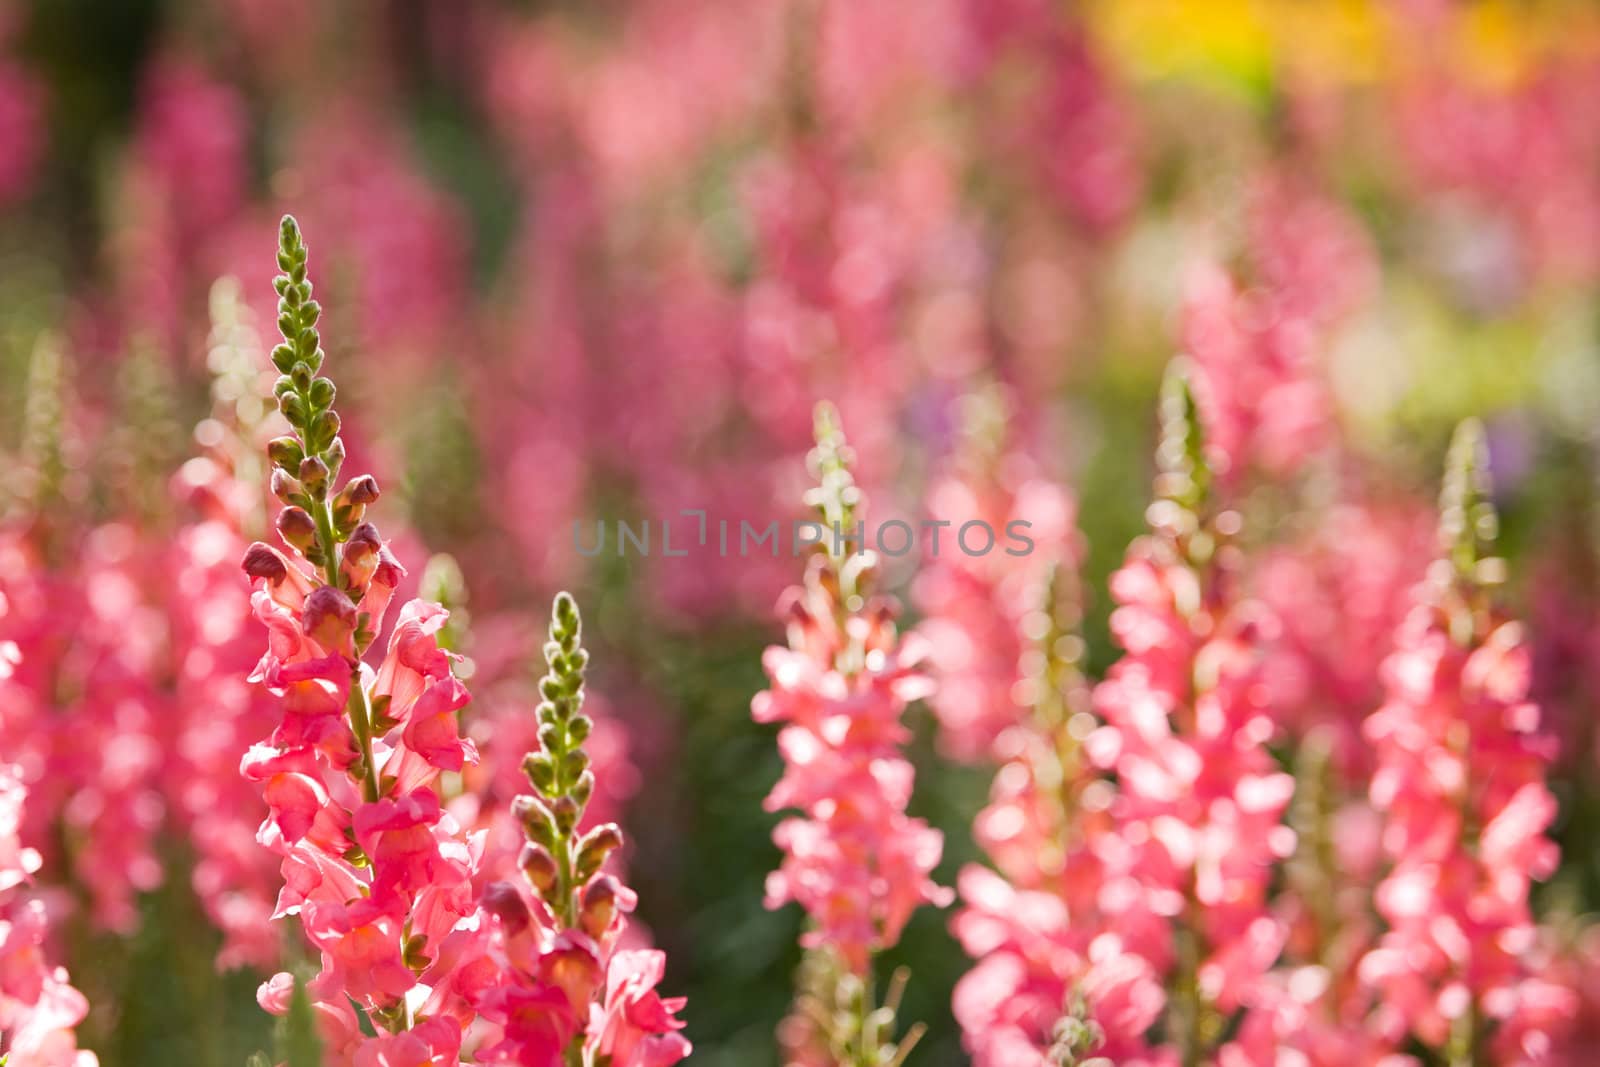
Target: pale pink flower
{"x": 38, "y": 1007}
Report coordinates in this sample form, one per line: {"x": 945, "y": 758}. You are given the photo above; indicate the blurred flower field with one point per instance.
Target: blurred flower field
{"x": 833, "y": 533}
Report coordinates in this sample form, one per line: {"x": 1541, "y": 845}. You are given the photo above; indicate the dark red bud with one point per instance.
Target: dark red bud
{"x": 264, "y": 561}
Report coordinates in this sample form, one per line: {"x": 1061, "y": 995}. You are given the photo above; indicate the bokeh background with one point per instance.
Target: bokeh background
{"x": 597, "y": 260}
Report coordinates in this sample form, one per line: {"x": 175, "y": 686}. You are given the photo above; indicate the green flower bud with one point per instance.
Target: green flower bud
{"x": 285, "y": 453}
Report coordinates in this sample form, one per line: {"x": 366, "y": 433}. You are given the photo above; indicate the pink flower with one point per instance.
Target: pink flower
{"x": 431, "y": 1043}
{"x": 38, "y": 1008}
{"x": 361, "y": 955}
{"x": 637, "y": 1028}
{"x": 536, "y": 1024}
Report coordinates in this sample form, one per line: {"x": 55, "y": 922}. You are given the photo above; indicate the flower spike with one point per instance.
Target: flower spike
{"x": 854, "y": 860}
{"x": 1468, "y": 523}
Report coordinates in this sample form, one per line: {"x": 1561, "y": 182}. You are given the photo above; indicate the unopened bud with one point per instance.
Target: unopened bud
{"x": 350, "y": 505}
{"x": 264, "y": 561}
{"x": 502, "y": 900}
{"x": 314, "y": 475}
{"x": 326, "y": 427}
{"x": 293, "y": 408}
{"x": 593, "y": 849}
{"x": 599, "y": 907}
{"x": 285, "y": 452}
{"x": 539, "y": 867}
{"x": 362, "y": 490}
{"x": 359, "y": 558}
{"x": 583, "y": 788}
{"x": 297, "y": 528}
{"x": 535, "y": 819}
{"x": 334, "y": 454}
{"x": 579, "y": 728}
{"x": 329, "y": 618}
{"x": 540, "y": 771}
{"x": 322, "y": 393}
{"x": 284, "y": 485}
{"x": 566, "y": 813}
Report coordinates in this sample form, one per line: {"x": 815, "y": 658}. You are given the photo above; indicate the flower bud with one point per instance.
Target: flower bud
{"x": 285, "y": 452}
{"x": 359, "y": 557}
{"x": 566, "y": 813}
{"x": 549, "y": 736}
{"x": 540, "y": 771}
{"x": 583, "y": 788}
{"x": 334, "y": 455}
{"x": 502, "y": 900}
{"x": 297, "y": 527}
{"x": 535, "y": 819}
{"x": 329, "y": 618}
{"x": 293, "y": 408}
{"x": 322, "y": 394}
{"x": 362, "y": 490}
{"x": 579, "y": 728}
{"x": 326, "y": 426}
{"x": 314, "y": 475}
{"x": 284, "y": 485}
{"x": 539, "y": 867}
{"x": 599, "y": 906}
{"x": 351, "y": 504}
{"x": 264, "y": 561}
{"x": 593, "y": 849}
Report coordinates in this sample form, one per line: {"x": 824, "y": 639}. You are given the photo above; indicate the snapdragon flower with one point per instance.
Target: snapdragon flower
{"x": 546, "y": 965}
{"x": 378, "y": 873}
{"x": 1199, "y": 799}
{"x": 1462, "y": 755}
{"x": 853, "y": 859}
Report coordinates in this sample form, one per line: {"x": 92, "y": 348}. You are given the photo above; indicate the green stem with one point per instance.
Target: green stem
{"x": 567, "y": 891}
{"x": 326, "y": 541}
{"x": 361, "y": 726}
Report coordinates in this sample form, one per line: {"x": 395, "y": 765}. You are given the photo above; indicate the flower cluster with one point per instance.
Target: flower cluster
{"x": 854, "y": 860}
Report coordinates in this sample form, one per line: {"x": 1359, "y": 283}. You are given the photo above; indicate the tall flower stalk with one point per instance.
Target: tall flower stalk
{"x": 567, "y": 990}
{"x": 853, "y": 859}
{"x": 1462, "y": 756}
{"x": 1199, "y": 800}
{"x": 377, "y": 872}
